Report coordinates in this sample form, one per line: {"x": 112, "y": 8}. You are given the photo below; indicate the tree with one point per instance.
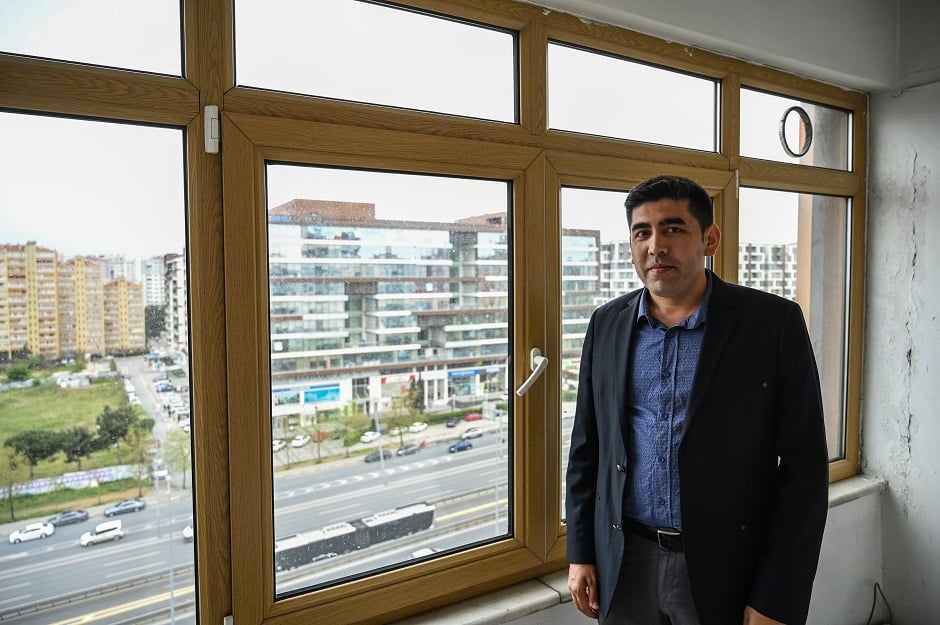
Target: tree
{"x": 19, "y": 373}
{"x": 138, "y": 441}
{"x": 14, "y": 469}
{"x": 77, "y": 443}
{"x": 114, "y": 424}
{"x": 34, "y": 445}
{"x": 350, "y": 426}
{"x": 178, "y": 450}
{"x": 154, "y": 321}
{"x": 414, "y": 399}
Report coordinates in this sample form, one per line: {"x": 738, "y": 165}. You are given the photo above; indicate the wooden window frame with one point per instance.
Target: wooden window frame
{"x": 259, "y": 125}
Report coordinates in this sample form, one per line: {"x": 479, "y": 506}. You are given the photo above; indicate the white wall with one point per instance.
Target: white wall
{"x": 901, "y": 403}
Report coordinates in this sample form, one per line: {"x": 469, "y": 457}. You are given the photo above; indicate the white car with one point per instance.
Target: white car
{"x": 471, "y": 433}
{"x": 277, "y": 444}
{"x": 370, "y": 437}
{"x": 103, "y": 532}
{"x": 300, "y": 440}
{"x": 417, "y": 426}
{"x": 32, "y": 532}
{"x": 188, "y": 533}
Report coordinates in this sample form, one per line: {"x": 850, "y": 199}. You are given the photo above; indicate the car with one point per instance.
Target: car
{"x": 68, "y": 517}
{"x": 32, "y": 531}
{"x": 109, "y": 530}
{"x": 188, "y": 533}
{"x": 370, "y": 437}
{"x": 397, "y": 431}
{"x": 277, "y": 444}
{"x": 409, "y": 449}
{"x": 375, "y": 456}
{"x": 125, "y": 505}
{"x": 473, "y": 416}
{"x": 417, "y": 426}
{"x": 462, "y": 445}
{"x": 471, "y": 433}
{"x": 300, "y": 440}
{"x": 452, "y": 422}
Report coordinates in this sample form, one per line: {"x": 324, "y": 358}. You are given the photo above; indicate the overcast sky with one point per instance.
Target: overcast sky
{"x": 89, "y": 187}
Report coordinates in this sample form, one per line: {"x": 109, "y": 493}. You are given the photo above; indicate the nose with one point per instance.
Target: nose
{"x": 656, "y": 245}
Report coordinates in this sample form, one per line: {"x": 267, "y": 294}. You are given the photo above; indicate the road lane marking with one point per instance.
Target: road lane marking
{"x": 109, "y": 612}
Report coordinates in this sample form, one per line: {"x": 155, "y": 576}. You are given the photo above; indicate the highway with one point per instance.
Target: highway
{"x": 54, "y": 581}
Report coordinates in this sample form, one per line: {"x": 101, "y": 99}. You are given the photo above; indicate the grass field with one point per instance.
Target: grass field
{"x": 49, "y": 407}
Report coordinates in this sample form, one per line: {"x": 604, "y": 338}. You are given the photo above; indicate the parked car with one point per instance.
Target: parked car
{"x": 452, "y": 422}
{"x": 473, "y": 416}
{"x": 300, "y": 440}
{"x": 375, "y": 456}
{"x": 277, "y": 445}
{"x": 32, "y": 531}
{"x": 68, "y": 517}
{"x": 397, "y": 431}
{"x": 369, "y": 437}
{"x": 417, "y": 426}
{"x": 188, "y": 533}
{"x": 407, "y": 450}
{"x": 471, "y": 433}
{"x": 462, "y": 445}
{"x": 103, "y": 532}
{"x": 126, "y": 505}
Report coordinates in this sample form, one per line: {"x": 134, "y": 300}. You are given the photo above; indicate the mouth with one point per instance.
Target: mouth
{"x": 659, "y": 268}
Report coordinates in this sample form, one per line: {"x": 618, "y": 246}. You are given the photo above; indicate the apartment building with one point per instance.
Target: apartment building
{"x": 55, "y": 307}
{"x": 176, "y": 302}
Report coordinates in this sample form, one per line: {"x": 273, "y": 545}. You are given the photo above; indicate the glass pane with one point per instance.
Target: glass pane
{"x": 601, "y": 94}
{"x": 389, "y": 303}
{"x": 141, "y": 35}
{"x": 595, "y": 267}
{"x": 793, "y": 131}
{"x": 795, "y": 245}
{"x": 94, "y": 376}
{"x": 367, "y": 52}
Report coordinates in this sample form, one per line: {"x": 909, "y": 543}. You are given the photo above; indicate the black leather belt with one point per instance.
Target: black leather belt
{"x": 666, "y": 537}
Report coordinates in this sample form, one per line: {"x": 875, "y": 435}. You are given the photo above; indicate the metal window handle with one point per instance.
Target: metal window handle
{"x": 538, "y": 363}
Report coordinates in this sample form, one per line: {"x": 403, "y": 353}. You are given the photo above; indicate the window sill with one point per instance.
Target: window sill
{"x": 514, "y": 602}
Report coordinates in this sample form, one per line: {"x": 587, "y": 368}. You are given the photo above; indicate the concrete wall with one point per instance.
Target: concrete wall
{"x": 901, "y": 404}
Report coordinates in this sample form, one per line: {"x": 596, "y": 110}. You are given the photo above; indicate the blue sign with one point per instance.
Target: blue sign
{"x": 316, "y": 394}
{"x": 462, "y": 374}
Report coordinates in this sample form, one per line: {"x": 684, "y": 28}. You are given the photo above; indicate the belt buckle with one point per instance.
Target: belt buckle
{"x": 660, "y": 532}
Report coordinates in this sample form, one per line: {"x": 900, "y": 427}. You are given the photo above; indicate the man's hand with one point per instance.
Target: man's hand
{"x": 751, "y": 616}
{"x": 582, "y": 582}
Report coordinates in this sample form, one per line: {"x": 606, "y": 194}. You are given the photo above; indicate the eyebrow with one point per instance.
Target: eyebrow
{"x": 668, "y": 221}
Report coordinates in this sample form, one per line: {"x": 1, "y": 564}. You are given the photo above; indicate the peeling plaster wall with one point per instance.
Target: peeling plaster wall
{"x": 901, "y": 403}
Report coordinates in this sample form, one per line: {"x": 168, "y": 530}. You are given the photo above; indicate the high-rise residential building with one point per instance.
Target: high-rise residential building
{"x": 55, "y": 307}
{"x": 152, "y": 272}
{"x": 124, "y": 329}
{"x": 769, "y": 266}
{"x": 176, "y": 328}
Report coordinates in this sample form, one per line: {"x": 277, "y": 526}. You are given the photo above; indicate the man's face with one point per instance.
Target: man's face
{"x": 669, "y": 248}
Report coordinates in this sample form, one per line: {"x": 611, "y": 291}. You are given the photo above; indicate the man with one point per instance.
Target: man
{"x": 697, "y": 477}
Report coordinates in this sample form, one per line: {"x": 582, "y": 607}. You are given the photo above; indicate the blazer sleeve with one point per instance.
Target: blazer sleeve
{"x": 581, "y": 477}
{"x": 789, "y": 558}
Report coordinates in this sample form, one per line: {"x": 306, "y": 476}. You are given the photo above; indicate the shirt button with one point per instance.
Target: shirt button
{"x": 662, "y": 459}
{"x": 662, "y": 501}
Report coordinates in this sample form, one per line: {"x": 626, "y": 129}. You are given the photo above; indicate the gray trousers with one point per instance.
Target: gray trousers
{"x": 653, "y": 588}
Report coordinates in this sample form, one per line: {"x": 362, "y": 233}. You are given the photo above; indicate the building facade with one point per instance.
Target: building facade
{"x": 61, "y": 308}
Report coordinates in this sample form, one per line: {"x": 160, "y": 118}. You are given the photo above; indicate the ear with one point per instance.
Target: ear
{"x": 712, "y": 237}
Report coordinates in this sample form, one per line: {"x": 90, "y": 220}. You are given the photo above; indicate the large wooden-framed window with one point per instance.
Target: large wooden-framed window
{"x": 543, "y": 166}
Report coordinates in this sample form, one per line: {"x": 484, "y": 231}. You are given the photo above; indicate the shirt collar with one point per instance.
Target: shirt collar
{"x": 691, "y": 322}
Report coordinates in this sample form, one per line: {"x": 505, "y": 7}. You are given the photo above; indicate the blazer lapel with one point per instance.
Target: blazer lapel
{"x": 718, "y": 326}
{"x": 626, "y": 322}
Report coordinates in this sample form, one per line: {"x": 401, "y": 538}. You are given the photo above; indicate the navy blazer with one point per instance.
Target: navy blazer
{"x": 753, "y": 462}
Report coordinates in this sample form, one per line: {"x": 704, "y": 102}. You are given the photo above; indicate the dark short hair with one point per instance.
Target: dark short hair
{"x": 674, "y": 188}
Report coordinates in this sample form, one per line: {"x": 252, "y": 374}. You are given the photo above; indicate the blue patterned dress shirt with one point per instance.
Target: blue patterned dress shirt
{"x": 662, "y": 367}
